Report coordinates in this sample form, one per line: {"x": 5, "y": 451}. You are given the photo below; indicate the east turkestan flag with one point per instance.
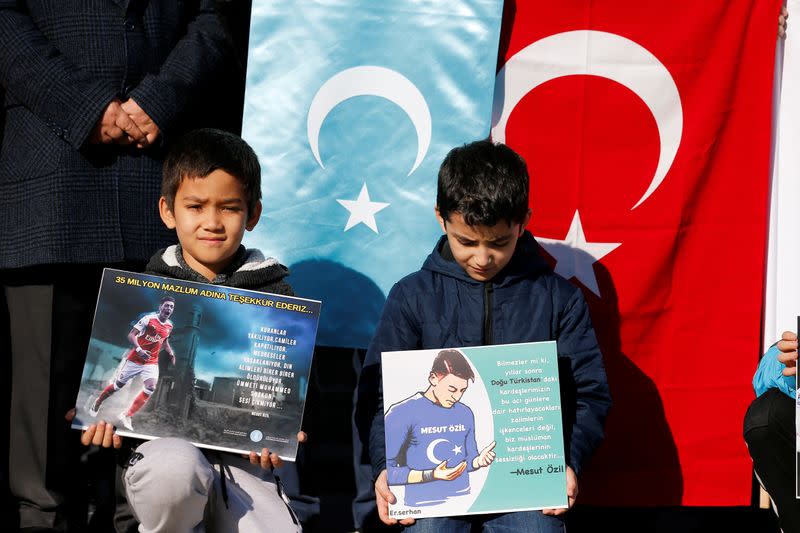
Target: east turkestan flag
{"x": 351, "y": 106}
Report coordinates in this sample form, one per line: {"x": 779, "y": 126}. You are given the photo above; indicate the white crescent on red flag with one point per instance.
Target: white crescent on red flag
{"x": 646, "y": 129}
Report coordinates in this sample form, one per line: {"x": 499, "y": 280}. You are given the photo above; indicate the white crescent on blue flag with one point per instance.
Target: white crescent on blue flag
{"x": 351, "y": 107}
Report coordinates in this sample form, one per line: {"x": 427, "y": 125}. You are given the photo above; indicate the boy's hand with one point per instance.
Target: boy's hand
{"x": 267, "y": 459}
{"x": 444, "y": 473}
{"x": 383, "y": 497}
{"x": 788, "y": 356}
{"x": 572, "y": 494}
{"x": 486, "y": 457}
{"x": 101, "y": 434}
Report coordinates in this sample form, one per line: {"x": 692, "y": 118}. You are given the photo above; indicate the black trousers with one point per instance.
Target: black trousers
{"x": 50, "y": 314}
{"x": 769, "y": 430}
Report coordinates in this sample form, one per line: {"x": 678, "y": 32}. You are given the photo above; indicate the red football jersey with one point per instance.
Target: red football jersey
{"x": 152, "y": 333}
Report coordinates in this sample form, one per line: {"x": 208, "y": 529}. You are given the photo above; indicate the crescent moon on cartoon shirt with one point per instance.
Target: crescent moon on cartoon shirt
{"x": 370, "y": 81}
{"x": 431, "y": 447}
{"x": 595, "y": 53}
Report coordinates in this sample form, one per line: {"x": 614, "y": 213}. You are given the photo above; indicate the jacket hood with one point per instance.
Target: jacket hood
{"x": 249, "y": 268}
{"x": 526, "y": 262}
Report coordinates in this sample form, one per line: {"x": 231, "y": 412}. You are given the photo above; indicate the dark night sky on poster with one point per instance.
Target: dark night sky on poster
{"x": 224, "y": 326}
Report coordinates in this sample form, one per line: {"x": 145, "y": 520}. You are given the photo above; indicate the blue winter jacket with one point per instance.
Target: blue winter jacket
{"x": 441, "y": 306}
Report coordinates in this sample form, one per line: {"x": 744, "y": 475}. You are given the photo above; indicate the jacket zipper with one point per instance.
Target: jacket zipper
{"x": 488, "y": 290}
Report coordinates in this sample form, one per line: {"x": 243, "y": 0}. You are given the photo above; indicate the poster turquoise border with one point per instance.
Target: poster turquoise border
{"x": 239, "y": 377}
{"x": 474, "y": 430}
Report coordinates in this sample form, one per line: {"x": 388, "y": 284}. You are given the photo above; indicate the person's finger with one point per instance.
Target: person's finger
{"x": 97, "y": 440}
{"x": 126, "y": 124}
{"x": 572, "y": 491}
{"x": 254, "y": 458}
{"x": 276, "y": 460}
{"x": 787, "y": 346}
{"x": 105, "y": 138}
{"x": 383, "y": 514}
{"x": 108, "y": 436}
{"x": 70, "y": 415}
{"x": 117, "y": 441}
{"x": 383, "y": 492}
{"x": 152, "y": 136}
{"x": 116, "y": 134}
{"x": 790, "y": 371}
{"x": 264, "y": 458}
{"x": 407, "y": 521}
{"x": 88, "y": 435}
{"x": 789, "y": 336}
{"x": 302, "y": 436}
{"x": 788, "y": 358}
{"x": 382, "y": 503}
{"x": 457, "y": 471}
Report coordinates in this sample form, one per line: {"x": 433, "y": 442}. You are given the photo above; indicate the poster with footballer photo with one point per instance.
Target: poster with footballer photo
{"x": 223, "y": 368}
{"x": 473, "y": 430}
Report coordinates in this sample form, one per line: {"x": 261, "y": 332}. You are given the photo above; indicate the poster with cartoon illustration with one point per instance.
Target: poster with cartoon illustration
{"x": 473, "y": 430}
{"x": 223, "y": 368}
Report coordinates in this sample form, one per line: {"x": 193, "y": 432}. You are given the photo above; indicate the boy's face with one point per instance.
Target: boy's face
{"x": 209, "y": 216}
{"x": 482, "y": 251}
{"x": 447, "y": 389}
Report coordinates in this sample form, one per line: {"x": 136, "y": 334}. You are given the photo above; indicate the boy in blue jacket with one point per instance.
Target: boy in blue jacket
{"x": 486, "y": 283}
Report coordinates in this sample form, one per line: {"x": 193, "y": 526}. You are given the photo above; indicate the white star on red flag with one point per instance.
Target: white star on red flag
{"x": 570, "y": 262}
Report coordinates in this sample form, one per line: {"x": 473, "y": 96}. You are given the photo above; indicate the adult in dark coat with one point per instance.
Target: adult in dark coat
{"x": 93, "y": 89}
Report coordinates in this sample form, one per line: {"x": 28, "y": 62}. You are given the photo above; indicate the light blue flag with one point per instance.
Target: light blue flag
{"x": 351, "y": 106}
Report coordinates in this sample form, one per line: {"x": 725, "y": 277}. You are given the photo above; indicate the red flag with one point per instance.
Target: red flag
{"x": 646, "y": 128}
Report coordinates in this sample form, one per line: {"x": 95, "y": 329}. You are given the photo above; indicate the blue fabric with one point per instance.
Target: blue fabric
{"x": 448, "y": 435}
{"x": 769, "y": 375}
{"x": 528, "y": 521}
{"x": 440, "y": 305}
{"x": 430, "y": 89}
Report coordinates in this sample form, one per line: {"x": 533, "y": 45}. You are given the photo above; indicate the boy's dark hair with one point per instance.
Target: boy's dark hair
{"x": 166, "y": 298}
{"x": 484, "y": 182}
{"x": 452, "y": 362}
{"x": 200, "y": 152}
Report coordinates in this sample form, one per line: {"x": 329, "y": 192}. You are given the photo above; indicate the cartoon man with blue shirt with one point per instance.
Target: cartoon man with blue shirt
{"x": 430, "y": 436}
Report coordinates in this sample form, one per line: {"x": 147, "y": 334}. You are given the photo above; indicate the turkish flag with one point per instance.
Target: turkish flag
{"x": 646, "y": 129}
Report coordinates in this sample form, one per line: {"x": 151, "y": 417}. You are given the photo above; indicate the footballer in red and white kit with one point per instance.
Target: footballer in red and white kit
{"x": 147, "y": 336}
{"x": 152, "y": 330}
